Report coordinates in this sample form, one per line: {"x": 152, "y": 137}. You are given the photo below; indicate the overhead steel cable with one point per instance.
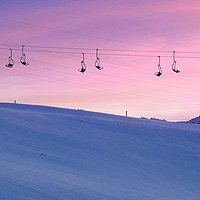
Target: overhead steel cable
{"x": 106, "y": 54}
{"x": 75, "y": 53}
{"x": 124, "y": 67}
{"x": 101, "y": 49}
{"x": 112, "y": 54}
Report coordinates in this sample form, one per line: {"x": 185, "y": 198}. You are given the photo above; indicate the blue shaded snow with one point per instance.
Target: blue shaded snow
{"x": 52, "y": 153}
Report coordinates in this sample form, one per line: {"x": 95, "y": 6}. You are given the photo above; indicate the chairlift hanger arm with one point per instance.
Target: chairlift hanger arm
{"x": 11, "y": 53}
{"x": 83, "y": 57}
{"x": 97, "y": 53}
{"x": 174, "y": 56}
{"x": 22, "y": 49}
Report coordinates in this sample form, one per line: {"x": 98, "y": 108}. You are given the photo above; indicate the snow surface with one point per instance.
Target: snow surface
{"x": 51, "y": 153}
{"x": 195, "y": 120}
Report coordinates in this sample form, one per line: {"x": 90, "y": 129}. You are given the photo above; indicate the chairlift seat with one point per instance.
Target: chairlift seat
{"x": 82, "y": 70}
{"x": 176, "y": 70}
{"x": 10, "y": 65}
{"x": 158, "y": 74}
{"x": 24, "y": 63}
{"x": 97, "y": 63}
{"x": 99, "y": 67}
{"x": 23, "y": 60}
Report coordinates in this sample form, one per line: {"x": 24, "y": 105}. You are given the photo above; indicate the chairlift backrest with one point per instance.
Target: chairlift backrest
{"x": 23, "y": 57}
{"x": 97, "y": 62}
{"x": 10, "y": 62}
{"x": 174, "y": 64}
{"x": 83, "y": 67}
{"x": 23, "y": 60}
{"x": 174, "y": 67}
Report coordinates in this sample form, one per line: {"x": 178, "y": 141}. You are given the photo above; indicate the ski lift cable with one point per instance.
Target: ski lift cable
{"x": 120, "y": 77}
{"x": 129, "y": 55}
{"x": 130, "y": 68}
{"x": 137, "y": 55}
{"x": 111, "y": 54}
{"x": 92, "y": 49}
{"x": 82, "y": 34}
{"x": 191, "y": 57}
{"x": 103, "y": 49}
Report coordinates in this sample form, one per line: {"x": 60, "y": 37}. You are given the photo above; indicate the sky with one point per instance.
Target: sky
{"x": 128, "y": 80}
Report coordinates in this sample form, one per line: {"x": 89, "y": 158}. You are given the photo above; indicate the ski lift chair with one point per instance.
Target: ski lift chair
{"x": 159, "y": 73}
{"x": 10, "y": 60}
{"x": 174, "y": 67}
{"x": 174, "y": 63}
{"x": 83, "y": 65}
{"x": 23, "y": 58}
{"x": 97, "y": 62}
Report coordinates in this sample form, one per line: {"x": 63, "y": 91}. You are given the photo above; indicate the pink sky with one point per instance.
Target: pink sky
{"x": 125, "y": 83}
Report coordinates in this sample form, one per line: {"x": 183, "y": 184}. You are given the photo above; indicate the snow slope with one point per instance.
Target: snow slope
{"x": 51, "y": 153}
{"x": 195, "y": 120}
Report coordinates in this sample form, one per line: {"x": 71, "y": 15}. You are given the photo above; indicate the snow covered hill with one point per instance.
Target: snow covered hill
{"x": 195, "y": 120}
{"x": 51, "y": 153}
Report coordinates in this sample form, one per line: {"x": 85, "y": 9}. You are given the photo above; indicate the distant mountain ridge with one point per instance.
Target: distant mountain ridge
{"x": 195, "y": 120}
